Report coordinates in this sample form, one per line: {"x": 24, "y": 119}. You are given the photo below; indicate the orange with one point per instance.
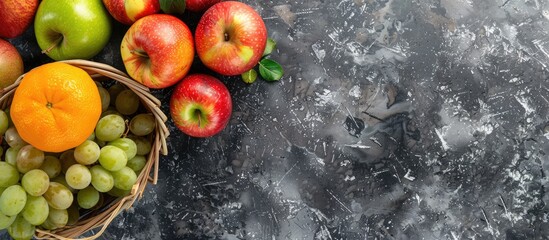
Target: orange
{"x": 56, "y": 107}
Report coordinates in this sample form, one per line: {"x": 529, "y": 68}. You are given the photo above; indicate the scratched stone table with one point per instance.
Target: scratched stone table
{"x": 395, "y": 119}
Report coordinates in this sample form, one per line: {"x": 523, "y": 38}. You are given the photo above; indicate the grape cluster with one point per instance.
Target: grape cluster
{"x": 52, "y": 190}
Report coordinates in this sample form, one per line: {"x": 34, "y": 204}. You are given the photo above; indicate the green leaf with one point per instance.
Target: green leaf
{"x": 172, "y": 6}
{"x": 249, "y": 76}
{"x": 270, "y": 70}
{"x": 269, "y": 47}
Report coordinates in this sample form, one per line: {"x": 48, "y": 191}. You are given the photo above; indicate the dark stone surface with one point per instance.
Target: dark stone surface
{"x": 395, "y": 119}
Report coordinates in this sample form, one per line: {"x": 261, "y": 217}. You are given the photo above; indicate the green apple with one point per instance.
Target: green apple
{"x": 70, "y": 29}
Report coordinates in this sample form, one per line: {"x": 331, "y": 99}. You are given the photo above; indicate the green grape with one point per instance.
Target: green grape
{"x": 102, "y": 179}
{"x": 74, "y": 214}
{"x": 87, "y": 153}
{"x": 29, "y": 158}
{"x": 110, "y": 127}
{"x": 112, "y": 158}
{"x": 91, "y": 137}
{"x": 58, "y": 196}
{"x": 57, "y": 218}
{"x": 13, "y": 200}
{"x": 144, "y": 145}
{"x": 87, "y": 197}
{"x": 126, "y": 144}
{"x": 142, "y": 124}
{"x": 52, "y": 166}
{"x": 13, "y": 139}
{"x": 20, "y": 229}
{"x": 9, "y": 175}
{"x": 11, "y": 155}
{"x": 109, "y": 111}
{"x": 100, "y": 143}
{"x": 78, "y": 176}
{"x": 137, "y": 163}
{"x": 127, "y": 102}
{"x": 10, "y": 122}
{"x": 99, "y": 204}
{"x": 4, "y": 122}
{"x": 67, "y": 160}
{"x": 2, "y": 190}
{"x": 124, "y": 178}
{"x": 116, "y": 192}
{"x": 105, "y": 98}
{"x": 6, "y": 221}
{"x": 114, "y": 90}
{"x": 61, "y": 179}
{"x": 36, "y": 182}
{"x": 36, "y": 210}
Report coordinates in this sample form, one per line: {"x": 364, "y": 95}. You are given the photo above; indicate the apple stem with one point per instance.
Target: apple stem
{"x": 140, "y": 53}
{"x": 54, "y": 44}
{"x": 199, "y": 118}
{"x": 227, "y": 38}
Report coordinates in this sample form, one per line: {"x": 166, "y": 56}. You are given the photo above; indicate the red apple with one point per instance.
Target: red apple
{"x": 200, "y": 5}
{"x": 201, "y": 105}
{"x": 230, "y": 38}
{"x": 158, "y": 50}
{"x": 129, "y": 11}
{"x": 11, "y": 64}
{"x": 16, "y": 16}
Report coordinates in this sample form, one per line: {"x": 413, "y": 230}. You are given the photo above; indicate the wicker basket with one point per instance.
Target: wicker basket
{"x": 104, "y": 217}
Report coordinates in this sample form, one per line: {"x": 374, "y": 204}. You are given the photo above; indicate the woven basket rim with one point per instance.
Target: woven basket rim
{"x": 159, "y": 146}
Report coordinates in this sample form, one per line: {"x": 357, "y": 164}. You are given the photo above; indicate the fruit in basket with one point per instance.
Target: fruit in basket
{"x": 102, "y": 179}
{"x": 6, "y": 221}
{"x": 29, "y": 158}
{"x": 112, "y": 158}
{"x": 87, "y": 197}
{"x": 11, "y": 63}
{"x": 13, "y": 200}
{"x": 157, "y": 50}
{"x": 110, "y": 127}
{"x": 58, "y": 196}
{"x": 4, "y": 122}
{"x": 201, "y": 105}
{"x": 127, "y": 102}
{"x": 200, "y": 5}
{"x": 142, "y": 124}
{"x": 13, "y": 138}
{"x": 55, "y": 186}
{"x": 127, "y": 12}
{"x": 21, "y": 229}
{"x": 72, "y": 29}
{"x": 127, "y": 145}
{"x": 230, "y": 38}
{"x": 137, "y": 163}
{"x": 124, "y": 178}
{"x": 56, "y": 218}
{"x": 51, "y": 166}
{"x": 143, "y": 144}
{"x": 35, "y": 182}
{"x": 78, "y": 176}
{"x": 36, "y": 210}
{"x": 56, "y": 107}
{"x": 9, "y": 176}
{"x": 16, "y": 16}
{"x": 87, "y": 153}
